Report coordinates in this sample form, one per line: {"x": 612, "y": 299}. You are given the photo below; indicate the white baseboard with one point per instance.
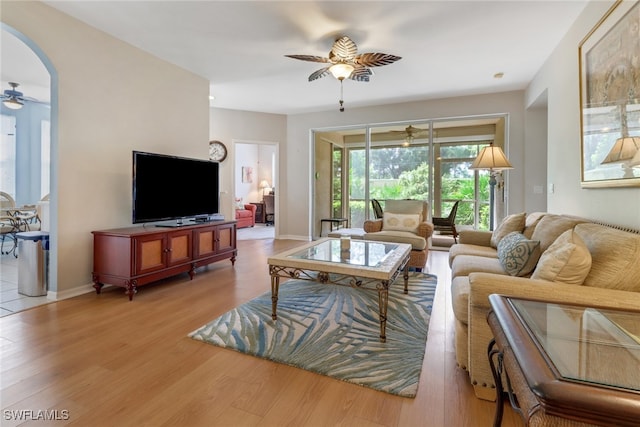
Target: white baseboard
{"x": 70, "y": 293}
{"x": 293, "y": 237}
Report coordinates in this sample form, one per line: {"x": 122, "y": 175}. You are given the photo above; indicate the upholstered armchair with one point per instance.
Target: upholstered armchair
{"x": 404, "y": 221}
{"x": 246, "y": 215}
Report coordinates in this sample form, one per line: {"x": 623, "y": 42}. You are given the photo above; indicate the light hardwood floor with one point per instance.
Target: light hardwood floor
{"x": 110, "y": 362}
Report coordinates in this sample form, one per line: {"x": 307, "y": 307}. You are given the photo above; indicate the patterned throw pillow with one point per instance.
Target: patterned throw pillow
{"x": 517, "y": 254}
{"x": 239, "y": 204}
{"x": 400, "y": 222}
{"x": 567, "y": 260}
{"x": 508, "y": 225}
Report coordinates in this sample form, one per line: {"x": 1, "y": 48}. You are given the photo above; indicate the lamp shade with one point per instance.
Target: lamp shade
{"x": 263, "y": 184}
{"x": 492, "y": 158}
{"x": 623, "y": 149}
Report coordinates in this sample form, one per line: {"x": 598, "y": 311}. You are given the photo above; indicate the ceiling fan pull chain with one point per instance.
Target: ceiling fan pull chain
{"x": 341, "y": 96}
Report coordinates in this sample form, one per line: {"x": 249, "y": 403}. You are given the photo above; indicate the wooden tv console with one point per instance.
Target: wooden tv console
{"x": 134, "y": 256}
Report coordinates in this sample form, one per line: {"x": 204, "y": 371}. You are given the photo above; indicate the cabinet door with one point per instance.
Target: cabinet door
{"x": 226, "y": 237}
{"x": 178, "y": 247}
{"x": 204, "y": 242}
{"x": 151, "y": 254}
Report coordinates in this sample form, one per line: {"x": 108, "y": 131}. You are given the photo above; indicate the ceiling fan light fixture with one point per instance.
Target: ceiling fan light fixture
{"x": 346, "y": 63}
{"x": 408, "y": 141}
{"x": 13, "y": 103}
{"x": 341, "y": 71}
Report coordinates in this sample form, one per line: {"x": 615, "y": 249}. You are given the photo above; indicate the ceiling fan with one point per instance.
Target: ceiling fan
{"x": 14, "y": 99}
{"x": 410, "y": 132}
{"x": 345, "y": 63}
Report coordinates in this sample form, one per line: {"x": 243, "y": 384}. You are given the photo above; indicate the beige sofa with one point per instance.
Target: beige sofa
{"x": 576, "y": 261}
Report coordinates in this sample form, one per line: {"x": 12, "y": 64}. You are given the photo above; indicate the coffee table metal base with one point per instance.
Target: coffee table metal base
{"x": 382, "y": 286}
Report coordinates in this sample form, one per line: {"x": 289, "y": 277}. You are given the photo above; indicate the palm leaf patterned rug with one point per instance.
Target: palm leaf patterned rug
{"x": 334, "y": 330}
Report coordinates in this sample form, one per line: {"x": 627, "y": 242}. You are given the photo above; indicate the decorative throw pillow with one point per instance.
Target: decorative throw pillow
{"x": 400, "y": 222}
{"x": 517, "y": 254}
{"x": 551, "y": 226}
{"x": 509, "y": 224}
{"x": 239, "y": 204}
{"x": 567, "y": 260}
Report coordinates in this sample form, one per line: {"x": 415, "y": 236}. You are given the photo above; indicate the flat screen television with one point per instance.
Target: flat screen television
{"x": 173, "y": 188}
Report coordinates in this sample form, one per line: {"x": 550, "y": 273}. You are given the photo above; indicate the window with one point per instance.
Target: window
{"x": 8, "y": 155}
{"x": 45, "y": 159}
{"x": 456, "y": 181}
{"x": 392, "y": 172}
{"x": 336, "y": 189}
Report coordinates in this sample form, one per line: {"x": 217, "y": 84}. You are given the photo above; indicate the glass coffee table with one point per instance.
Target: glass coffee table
{"x": 579, "y": 363}
{"x": 357, "y": 263}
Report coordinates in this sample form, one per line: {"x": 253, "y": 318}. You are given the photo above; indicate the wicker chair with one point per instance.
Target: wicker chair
{"x": 8, "y": 226}
{"x": 377, "y": 209}
{"x": 6, "y": 203}
{"x": 418, "y": 238}
{"x": 447, "y": 225}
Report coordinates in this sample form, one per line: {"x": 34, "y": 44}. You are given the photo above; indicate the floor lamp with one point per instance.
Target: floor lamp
{"x": 494, "y": 160}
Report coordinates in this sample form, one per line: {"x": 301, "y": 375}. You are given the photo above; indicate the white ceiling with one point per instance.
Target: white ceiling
{"x": 449, "y": 48}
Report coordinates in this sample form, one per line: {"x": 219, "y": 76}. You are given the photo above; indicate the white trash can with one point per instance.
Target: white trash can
{"x": 33, "y": 263}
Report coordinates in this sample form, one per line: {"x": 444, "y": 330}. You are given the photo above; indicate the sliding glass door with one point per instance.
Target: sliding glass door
{"x": 387, "y": 169}
{"x": 427, "y": 160}
{"x": 456, "y": 182}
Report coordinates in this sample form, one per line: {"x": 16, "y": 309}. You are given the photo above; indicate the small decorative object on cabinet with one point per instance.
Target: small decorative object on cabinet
{"x": 135, "y": 256}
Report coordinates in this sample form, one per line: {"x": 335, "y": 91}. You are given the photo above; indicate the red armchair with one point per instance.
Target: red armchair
{"x": 246, "y": 217}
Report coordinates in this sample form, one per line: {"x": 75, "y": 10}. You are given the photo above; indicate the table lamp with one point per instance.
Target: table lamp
{"x": 263, "y": 184}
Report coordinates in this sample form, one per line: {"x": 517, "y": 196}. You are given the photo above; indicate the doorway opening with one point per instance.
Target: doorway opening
{"x": 255, "y": 186}
{"x": 29, "y": 139}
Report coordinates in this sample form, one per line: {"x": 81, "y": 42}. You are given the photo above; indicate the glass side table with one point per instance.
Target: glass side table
{"x": 573, "y": 362}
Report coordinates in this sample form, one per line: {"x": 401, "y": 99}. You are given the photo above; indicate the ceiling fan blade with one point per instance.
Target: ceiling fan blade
{"x": 320, "y": 73}
{"x": 311, "y": 58}
{"x": 344, "y": 49}
{"x": 376, "y": 59}
{"x": 361, "y": 74}
{"x": 410, "y": 131}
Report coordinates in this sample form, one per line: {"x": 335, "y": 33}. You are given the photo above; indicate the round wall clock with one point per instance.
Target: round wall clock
{"x": 217, "y": 151}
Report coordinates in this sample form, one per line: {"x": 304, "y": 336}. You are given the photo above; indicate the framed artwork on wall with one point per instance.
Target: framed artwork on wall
{"x": 247, "y": 174}
{"x": 610, "y": 99}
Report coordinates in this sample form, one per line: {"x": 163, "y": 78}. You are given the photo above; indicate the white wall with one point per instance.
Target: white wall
{"x": 559, "y": 77}
{"x": 110, "y": 99}
{"x": 247, "y": 156}
{"x": 266, "y": 171}
{"x": 535, "y": 155}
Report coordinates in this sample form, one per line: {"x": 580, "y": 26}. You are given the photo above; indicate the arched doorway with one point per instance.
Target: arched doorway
{"x": 29, "y": 143}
